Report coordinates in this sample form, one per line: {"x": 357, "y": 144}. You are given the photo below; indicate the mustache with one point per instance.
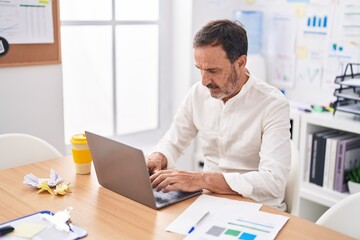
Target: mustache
{"x": 211, "y": 86}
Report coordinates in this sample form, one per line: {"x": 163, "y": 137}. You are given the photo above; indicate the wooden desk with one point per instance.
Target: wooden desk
{"x": 107, "y": 215}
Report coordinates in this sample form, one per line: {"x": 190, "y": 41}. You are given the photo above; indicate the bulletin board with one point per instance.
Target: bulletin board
{"x": 36, "y": 54}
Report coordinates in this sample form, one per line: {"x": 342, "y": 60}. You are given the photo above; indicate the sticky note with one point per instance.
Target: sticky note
{"x": 250, "y": 1}
{"x": 299, "y": 11}
{"x": 302, "y": 52}
{"x": 27, "y": 230}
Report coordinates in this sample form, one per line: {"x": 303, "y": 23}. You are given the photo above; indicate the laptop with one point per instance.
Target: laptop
{"x": 122, "y": 169}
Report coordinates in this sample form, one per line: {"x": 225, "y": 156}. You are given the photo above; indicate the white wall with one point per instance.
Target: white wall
{"x": 31, "y": 101}
{"x": 181, "y": 56}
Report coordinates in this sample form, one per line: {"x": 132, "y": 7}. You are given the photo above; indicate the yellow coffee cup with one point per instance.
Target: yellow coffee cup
{"x": 81, "y": 154}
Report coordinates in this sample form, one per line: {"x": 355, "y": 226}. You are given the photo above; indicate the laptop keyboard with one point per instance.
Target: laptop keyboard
{"x": 162, "y": 197}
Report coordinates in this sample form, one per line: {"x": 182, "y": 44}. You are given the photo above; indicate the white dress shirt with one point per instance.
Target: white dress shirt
{"x": 247, "y": 139}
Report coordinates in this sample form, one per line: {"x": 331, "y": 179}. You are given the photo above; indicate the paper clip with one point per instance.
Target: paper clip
{"x": 60, "y": 220}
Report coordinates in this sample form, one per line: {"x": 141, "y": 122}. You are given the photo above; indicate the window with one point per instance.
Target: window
{"x": 113, "y": 80}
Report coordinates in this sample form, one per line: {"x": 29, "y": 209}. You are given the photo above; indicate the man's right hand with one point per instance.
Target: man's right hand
{"x": 156, "y": 162}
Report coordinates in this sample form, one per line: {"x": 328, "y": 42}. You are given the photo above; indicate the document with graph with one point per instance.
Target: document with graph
{"x": 232, "y": 222}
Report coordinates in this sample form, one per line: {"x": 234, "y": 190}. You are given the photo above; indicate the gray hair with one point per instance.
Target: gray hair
{"x": 230, "y": 35}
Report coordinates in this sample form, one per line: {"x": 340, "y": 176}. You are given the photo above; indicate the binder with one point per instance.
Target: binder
{"x": 47, "y": 229}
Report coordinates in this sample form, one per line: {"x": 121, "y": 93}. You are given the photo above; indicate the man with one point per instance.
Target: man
{"x": 242, "y": 123}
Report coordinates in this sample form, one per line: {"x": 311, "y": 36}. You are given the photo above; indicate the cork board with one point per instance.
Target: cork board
{"x": 36, "y": 54}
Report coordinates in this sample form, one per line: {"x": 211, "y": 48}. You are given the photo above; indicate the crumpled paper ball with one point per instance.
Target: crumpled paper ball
{"x": 45, "y": 184}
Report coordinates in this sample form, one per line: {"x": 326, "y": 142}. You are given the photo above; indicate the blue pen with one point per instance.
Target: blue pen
{"x": 198, "y": 222}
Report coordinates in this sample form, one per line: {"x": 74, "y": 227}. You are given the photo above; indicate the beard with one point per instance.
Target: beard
{"x": 228, "y": 89}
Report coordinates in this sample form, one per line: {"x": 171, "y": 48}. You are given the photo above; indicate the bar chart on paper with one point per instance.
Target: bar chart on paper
{"x": 239, "y": 229}
{"x": 233, "y": 223}
{"x": 316, "y": 24}
{"x": 316, "y": 21}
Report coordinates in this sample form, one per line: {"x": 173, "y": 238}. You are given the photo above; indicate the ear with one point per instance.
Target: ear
{"x": 240, "y": 63}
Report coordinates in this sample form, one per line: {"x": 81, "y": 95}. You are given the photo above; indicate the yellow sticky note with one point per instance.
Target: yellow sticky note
{"x": 302, "y": 52}
{"x": 44, "y": 1}
{"x": 27, "y": 230}
{"x": 299, "y": 10}
{"x": 250, "y": 1}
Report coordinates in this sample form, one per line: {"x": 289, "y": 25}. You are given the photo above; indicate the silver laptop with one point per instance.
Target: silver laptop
{"x": 122, "y": 169}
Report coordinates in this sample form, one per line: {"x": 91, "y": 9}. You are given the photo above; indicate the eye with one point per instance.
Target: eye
{"x": 212, "y": 70}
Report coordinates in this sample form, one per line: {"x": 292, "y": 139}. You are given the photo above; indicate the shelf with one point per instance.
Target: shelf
{"x": 314, "y": 199}
{"x": 341, "y": 121}
{"x": 320, "y": 195}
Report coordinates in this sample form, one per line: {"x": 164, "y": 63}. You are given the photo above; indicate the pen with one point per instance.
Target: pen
{"x": 5, "y": 230}
{"x": 198, "y": 222}
{"x": 304, "y": 110}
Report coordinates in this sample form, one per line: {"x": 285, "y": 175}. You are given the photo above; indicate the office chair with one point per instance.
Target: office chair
{"x": 19, "y": 149}
{"x": 293, "y": 184}
{"x": 343, "y": 216}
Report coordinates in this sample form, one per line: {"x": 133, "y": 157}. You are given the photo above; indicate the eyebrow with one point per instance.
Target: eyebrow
{"x": 207, "y": 69}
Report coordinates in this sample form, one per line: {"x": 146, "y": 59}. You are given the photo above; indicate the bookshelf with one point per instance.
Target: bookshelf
{"x": 314, "y": 199}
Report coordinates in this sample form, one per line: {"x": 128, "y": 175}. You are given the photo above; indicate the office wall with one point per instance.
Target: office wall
{"x": 31, "y": 101}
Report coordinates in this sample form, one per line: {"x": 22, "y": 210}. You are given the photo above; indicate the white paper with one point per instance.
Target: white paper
{"x": 237, "y": 222}
{"x": 338, "y": 55}
{"x": 281, "y": 50}
{"x": 203, "y": 204}
{"x": 347, "y": 19}
{"x": 32, "y": 180}
{"x": 26, "y": 21}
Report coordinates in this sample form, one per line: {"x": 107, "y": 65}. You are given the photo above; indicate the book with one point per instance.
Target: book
{"x": 318, "y": 156}
{"x": 308, "y": 157}
{"x": 348, "y": 157}
{"x": 330, "y": 157}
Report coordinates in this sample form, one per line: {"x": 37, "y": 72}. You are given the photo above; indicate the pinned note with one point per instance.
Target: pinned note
{"x": 300, "y": 10}
{"x": 302, "y": 52}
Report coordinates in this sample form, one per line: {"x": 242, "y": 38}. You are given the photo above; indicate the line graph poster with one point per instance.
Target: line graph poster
{"x": 309, "y": 67}
{"x": 29, "y": 21}
{"x": 281, "y": 50}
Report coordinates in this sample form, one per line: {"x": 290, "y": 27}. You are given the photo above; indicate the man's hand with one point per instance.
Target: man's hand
{"x": 156, "y": 162}
{"x": 169, "y": 180}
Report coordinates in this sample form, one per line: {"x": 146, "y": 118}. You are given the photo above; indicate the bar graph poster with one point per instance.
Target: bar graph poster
{"x": 26, "y": 21}
{"x": 338, "y": 55}
{"x": 316, "y": 24}
{"x": 315, "y": 28}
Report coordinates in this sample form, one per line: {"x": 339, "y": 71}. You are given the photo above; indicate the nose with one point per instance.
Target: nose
{"x": 205, "y": 78}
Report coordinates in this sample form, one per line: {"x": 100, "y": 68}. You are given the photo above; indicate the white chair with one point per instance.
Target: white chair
{"x": 343, "y": 216}
{"x": 19, "y": 149}
{"x": 293, "y": 184}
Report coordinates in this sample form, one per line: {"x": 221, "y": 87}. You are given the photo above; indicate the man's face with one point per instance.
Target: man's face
{"x": 217, "y": 73}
